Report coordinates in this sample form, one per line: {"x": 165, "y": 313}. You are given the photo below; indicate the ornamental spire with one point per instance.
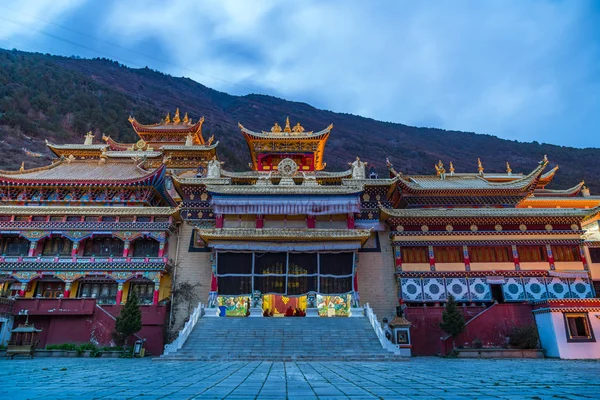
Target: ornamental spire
{"x": 479, "y": 167}
{"x": 88, "y": 139}
{"x": 176, "y": 118}
{"x": 185, "y": 118}
{"x": 508, "y": 169}
{"x": 451, "y": 168}
{"x": 168, "y": 118}
{"x": 287, "y": 128}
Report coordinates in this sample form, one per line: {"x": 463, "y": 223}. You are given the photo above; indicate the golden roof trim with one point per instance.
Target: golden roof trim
{"x": 283, "y": 190}
{"x": 287, "y": 234}
{"x": 486, "y": 212}
{"x": 91, "y": 210}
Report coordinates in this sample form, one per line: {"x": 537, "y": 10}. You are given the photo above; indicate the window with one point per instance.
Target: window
{"x": 597, "y": 288}
{"x": 49, "y": 289}
{"x": 578, "y": 328}
{"x": 39, "y": 218}
{"x": 73, "y": 218}
{"x": 14, "y": 246}
{"x": 595, "y": 254}
{"x": 57, "y": 246}
{"x": 143, "y": 290}
{"x": 105, "y": 292}
{"x": 566, "y": 253}
{"x": 109, "y": 219}
{"x": 490, "y": 254}
{"x": 142, "y": 219}
{"x": 448, "y": 254}
{"x": 103, "y": 246}
{"x": 415, "y": 254}
{"x": 532, "y": 253}
{"x": 145, "y": 248}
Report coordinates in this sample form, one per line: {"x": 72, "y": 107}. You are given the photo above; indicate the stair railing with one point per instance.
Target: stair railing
{"x": 385, "y": 343}
{"x": 185, "y": 332}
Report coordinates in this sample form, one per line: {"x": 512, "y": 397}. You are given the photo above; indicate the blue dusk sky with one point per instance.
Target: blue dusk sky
{"x": 524, "y": 70}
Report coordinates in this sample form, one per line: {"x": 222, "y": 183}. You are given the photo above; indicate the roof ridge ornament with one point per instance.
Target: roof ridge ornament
{"x": 22, "y": 169}
{"x": 479, "y": 167}
{"x": 287, "y": 128}
{"x": 440, "y": 170}
{"x": 176, "y": 119}
{"x": 451, "y": 169}
{"x": 508, "y": 169}
{"x": 168, "y": 118}
{"x": 89, "y": 139}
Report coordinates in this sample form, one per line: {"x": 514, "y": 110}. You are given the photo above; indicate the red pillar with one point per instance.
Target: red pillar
{"x": 126, "y": 249}
{"x": 515, "y": 254}
{"x": 398, "y": 258}
{"x": 467, "y": 259}
{"x": 219, "y": 221}
{"x": 550, "y": 257}
{"x": 431, "y": 259}
{"x": 260, "y": 221}
{"x": 350, "y": 220}
{"x": 161, "y": 249}
{"x": 156, "y": 291}
{"x": 311, "y": 221}
{"x": 32, "y": 247}
{"x": 119, "y": 293}
{"x": 74, "y": 249}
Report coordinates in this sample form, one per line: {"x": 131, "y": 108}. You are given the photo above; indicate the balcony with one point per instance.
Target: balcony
{"x": 46, "y": 306}
{"x": 51, "y": 262}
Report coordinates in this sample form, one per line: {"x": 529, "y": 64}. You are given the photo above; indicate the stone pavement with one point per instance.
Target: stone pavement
{"x": 420, "y": 378}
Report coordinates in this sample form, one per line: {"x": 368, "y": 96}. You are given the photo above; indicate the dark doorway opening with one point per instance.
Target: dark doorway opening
{"x": 497, "y": 293}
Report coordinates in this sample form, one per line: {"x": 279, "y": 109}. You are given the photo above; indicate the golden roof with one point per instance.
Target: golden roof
{"x": 170, "y": 130}
{"x": 288, "y": 234}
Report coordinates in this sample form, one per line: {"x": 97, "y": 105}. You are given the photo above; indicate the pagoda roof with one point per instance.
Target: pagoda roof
{"x": 70, "y": 172}
{"x": 287, "y": 140}
{"x": 176, "y": 129}
{"x": 547, "y": 177}
{"x": 76, "y": 149}
{"x": 560, "y": 202}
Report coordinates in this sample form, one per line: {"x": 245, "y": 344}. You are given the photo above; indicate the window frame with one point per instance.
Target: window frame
{"x": 586, "y": 318}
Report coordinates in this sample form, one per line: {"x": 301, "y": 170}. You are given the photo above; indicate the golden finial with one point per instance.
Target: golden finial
{"x": 105, "y": 138}
{"x": 276, "y": 128}
{"x": 451, "y": 168}
{"x": 89, "y": 138}
{"x": 287, "y": 128}
{"x": 176, "y": 118}
{"x": 22, "y": 169}
{"x": 508, "y": 169}
{"x": 479, "y": 166}
{"x": 585, "y": 192}
{"x": 168, "y": 118}
{"x": 298, "y": 128}
{"x": 545, "y": 158}
{"x": 439, "y": 168}
{"x": 185, "y": 118}
{"x": 210, "y": 140}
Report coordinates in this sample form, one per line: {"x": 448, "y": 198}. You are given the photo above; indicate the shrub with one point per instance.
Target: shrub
{"x": 524, "y": 338}
{"x": 129, "y": 321}
{"x": 63, "y": 346}
{"x": 453, "y": 321}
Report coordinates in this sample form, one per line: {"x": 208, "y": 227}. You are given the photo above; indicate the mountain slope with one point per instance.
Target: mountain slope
{"x": 59, "y": 99}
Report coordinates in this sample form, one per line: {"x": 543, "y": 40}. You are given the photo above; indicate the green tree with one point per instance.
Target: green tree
{"x": 453, "y": 321}
{"x": 129, "y": 321}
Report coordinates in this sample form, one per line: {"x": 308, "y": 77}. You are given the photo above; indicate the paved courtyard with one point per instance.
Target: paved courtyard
{"x": 64, "y": 378}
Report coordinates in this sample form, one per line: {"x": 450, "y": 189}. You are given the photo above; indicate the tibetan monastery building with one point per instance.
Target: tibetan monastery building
{"x": 165, "y": 219}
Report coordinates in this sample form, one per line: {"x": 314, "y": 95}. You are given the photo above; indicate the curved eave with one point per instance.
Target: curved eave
{"x": 67, "y": 149}
{"x": 90, "y": 210}
{"x": 521, "y": 186}
{"x": 194, "y": 148}
{"x": 546, "y": 178}
{"x": 162, "y": 128}
{"x": 560, "y": 202}
{"x": 150, "y": 179}
{"x": 491, "y": 214}
{"x": 321, "y": 135}
{"x": 571, "y": 192}
{"x": 284, "y": 235}
{"x": 114, "y": 145}
{"x": 283, "y": 190}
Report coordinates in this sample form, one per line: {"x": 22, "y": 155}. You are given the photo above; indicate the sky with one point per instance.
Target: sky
{"x": 520, "y": 70}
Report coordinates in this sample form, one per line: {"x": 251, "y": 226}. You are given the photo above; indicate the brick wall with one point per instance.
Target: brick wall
{"x": 376, "y": 281}
{"x": 195, "y": 268}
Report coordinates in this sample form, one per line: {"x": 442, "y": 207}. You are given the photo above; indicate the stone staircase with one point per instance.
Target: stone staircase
{"x": 282, "y": 339}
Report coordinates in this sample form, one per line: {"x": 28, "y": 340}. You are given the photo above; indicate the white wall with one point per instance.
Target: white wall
{"x": 547, "y": 334}
{"x": 565, "y": 349}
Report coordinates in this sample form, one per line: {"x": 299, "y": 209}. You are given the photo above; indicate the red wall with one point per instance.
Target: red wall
{"x": 80, "y": 321}
{"x": 425, "y": 333}
{"x": 494, "y": 325}
{"x": 491, "y": 326}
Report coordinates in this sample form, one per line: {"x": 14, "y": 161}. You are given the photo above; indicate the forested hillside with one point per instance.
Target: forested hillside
{"x": 60, "y": 99}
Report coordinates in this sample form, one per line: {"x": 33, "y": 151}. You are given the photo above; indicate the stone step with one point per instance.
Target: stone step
{"x": 282, "y": 339}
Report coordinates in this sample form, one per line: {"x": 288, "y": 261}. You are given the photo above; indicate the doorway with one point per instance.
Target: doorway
{"x": 279, "y": 304}
{"x": 497, "y": 293}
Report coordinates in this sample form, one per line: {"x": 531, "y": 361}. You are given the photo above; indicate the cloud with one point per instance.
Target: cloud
{"x": 519, "y": 70}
